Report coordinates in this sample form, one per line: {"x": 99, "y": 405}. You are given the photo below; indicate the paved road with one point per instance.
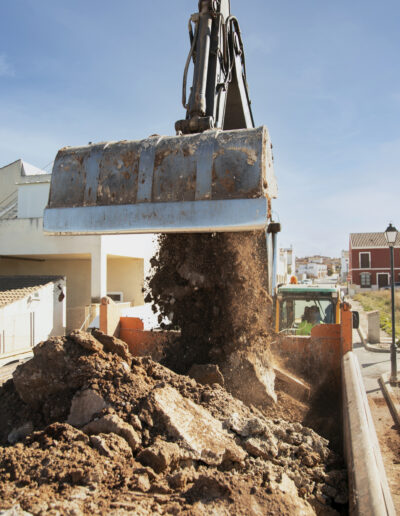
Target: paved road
{"x": 373, "y": 365}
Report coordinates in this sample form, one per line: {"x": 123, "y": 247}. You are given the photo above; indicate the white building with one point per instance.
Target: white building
{"x": 93, "y": 265}
{"x": 313, "y": 270}
{"x": 344, "y": 261}
{"x": 286, "y": 266}
{"x": 32, "y": 308}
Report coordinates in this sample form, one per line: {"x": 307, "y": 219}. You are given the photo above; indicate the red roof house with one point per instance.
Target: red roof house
{"x": 369, "y": 260}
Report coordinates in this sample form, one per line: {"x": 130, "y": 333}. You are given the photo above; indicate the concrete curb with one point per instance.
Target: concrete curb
{"x": 390, "y": 398}
{"x": 368, "y": 486}
{"x": 371, "y": 347}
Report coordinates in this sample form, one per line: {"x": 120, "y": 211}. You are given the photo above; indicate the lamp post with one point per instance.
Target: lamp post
{"x": 391, "y": 237}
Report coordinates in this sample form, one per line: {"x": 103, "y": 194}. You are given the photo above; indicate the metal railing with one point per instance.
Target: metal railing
{"x": 8, "y": 206}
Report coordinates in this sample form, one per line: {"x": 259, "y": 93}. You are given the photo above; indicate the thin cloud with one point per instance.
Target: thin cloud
{"x": 6, "y": 70}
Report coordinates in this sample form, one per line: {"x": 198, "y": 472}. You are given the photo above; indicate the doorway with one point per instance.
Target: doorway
{"x": 383, "y": 279}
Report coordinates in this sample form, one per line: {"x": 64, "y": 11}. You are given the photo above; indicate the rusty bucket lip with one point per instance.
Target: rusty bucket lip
{"x": 176, "y": 217}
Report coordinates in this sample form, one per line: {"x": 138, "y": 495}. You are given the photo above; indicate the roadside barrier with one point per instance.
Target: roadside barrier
{"x": 369, "y": 492}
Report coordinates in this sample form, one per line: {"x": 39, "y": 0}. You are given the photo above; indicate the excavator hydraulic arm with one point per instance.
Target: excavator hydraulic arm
{"x": 219, "y": 96}
{"x": 215, "y": 175}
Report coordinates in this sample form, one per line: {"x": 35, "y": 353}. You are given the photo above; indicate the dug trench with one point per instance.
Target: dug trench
{"x": 87, "y": 428}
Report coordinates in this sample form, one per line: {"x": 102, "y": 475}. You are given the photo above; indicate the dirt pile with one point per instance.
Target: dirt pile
{"x": 214, "y": 288}
{"x": 86, "y": 428}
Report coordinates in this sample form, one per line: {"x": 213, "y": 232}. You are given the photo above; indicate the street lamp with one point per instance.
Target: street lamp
{"x": 391, "y": 237}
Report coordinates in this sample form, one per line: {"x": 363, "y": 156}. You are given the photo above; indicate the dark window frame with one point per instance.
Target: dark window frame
{"x": 363, "y": 283}
{"x": 361, "y": 256}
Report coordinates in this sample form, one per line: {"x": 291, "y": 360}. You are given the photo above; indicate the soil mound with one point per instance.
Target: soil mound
{"x": 86, "y": 428}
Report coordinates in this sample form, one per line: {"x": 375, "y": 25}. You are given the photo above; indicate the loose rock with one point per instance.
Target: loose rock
{"x": 114, "y": 424}
{"x": 85, "y": 404}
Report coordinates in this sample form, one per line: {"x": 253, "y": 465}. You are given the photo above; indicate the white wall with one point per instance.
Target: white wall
{"x": 83, "y": 259}
{"x": 26, "y": 237}
{"x": 286, "y": 265}
{"x": 9, "y": 176}
{"x": 134, "y": 246}
{"x": 25, "y": 323}
{"x": 32, "y": 199}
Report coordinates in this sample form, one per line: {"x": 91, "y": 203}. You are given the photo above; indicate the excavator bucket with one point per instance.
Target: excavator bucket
{"x": 207, "y": 182}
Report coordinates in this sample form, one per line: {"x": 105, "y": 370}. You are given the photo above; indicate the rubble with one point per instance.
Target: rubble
{"x": 112, "y": 424}
{"x": 117, "y": 439}
{"x": 84, "y": 405}
{"x": 194, "y": 426}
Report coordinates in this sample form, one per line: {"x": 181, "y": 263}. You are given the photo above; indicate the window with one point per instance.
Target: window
{"x": 300, "y": 315}
{"x": 118, "y": 297}
{"x": 365, "y": 279}
{"x": 365, "y": 260}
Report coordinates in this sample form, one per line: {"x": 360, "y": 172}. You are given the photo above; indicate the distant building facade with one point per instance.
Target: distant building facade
{"x": 344, "y": 266}
{"x": 317, "y": 267}
{"x": 286, "y": 266}
{"x": 369, "y": 261}
{"x": 313, "y": 270}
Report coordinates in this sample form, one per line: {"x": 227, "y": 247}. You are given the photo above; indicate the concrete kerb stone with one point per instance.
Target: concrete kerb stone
{"x": 372, "y": 347}
{"x": 369, "y": 489}
{"x": 390, "y": 397}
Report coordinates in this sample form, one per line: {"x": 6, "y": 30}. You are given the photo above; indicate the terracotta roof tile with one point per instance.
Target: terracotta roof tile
{"x": 366, "y": 240}
{"x": 14, "y": 288}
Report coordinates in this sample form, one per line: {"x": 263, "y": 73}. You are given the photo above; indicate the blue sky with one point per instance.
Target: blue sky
{"x": 323, "y": 76}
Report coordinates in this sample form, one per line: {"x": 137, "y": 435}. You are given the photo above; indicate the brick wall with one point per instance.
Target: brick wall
{"x": 379, "y": 263}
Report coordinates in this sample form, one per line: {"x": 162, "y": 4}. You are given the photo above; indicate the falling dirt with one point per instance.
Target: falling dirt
{"x": 87, "y": 429}
{"x": 214, "y": 288}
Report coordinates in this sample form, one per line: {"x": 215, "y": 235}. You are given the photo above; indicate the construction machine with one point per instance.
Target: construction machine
{"x": 215, "y": 175}
{"x": 314, "y": 327}
{"x": 298, "y": 308}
